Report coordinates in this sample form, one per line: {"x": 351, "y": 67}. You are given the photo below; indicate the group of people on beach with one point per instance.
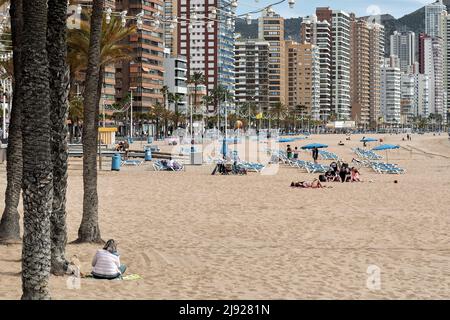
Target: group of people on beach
{"x": 338, "y": 172}
{"x": 293, "y": 154}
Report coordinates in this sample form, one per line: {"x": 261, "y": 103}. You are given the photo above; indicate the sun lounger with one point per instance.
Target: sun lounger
{"x": 132, "y": 162}
{"x": 161, "y": 165}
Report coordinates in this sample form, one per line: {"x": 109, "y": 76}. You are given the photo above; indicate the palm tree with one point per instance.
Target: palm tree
{"x": 9, "y": 225}
{"x": 165, "y": 92}
{"x": 37, "y": 180}
{"x": 176, "y": 99}
{"x": 113, "y": 48}
{"x": 278, "y": 112}
{"x": 59, "y": 91}
{"x": 89, "y": 230}
{"x": 219, "y": 95}
{"x": 196, "y": 79}
{"x": 158, "y": 113}
{"x": 75, "y": 116}
{"x": 207, "y": 100}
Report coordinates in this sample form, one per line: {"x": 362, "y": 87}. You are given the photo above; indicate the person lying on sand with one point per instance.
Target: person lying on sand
{"x": 305, "y": 184}
{"x": 106, "y": 262}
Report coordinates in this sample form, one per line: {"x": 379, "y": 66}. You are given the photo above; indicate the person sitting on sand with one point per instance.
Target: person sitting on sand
{"x": 340, "y": 143}
{"x": 106, "y": 263}
{"x": 354, "y": 175}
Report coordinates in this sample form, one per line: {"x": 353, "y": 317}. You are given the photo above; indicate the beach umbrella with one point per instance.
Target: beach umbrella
{"x": 386, "y": 147}
{"x": 315, "y": 145}
{"x": 281, "y": 140}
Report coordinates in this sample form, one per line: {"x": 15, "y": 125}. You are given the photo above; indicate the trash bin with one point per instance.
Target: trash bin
{"x": 148, "y": 154}
{"x": 115, "y": 164}
{"x": 130, "y": 140}
{"x": 149, "y": 139}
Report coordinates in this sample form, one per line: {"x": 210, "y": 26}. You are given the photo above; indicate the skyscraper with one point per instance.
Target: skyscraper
{"x": 391, "y": 92}
{"x": 376, "y": 58}
{"x": 145, "y": 74}
{"x": 360, "y": 72}
{"x": 403, "y": 45}
{"x": 433, "y": 18}
{"x": 271, "y": 29}
{"x": 205, "y": 36}
{"x": 318, "y": 33}
{"x": 303, "y": 78}
{"x": 252, "y": 72}
{"x": 340, "y": 60}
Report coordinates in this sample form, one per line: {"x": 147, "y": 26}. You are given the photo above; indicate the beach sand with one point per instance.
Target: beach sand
{"x": 191, "y": 235}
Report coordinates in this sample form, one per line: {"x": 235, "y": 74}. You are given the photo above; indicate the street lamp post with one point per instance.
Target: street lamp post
{"x": 131, "y": 111}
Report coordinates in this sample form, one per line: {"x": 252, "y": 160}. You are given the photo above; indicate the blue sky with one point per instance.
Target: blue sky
{"x": 397, "y": 8}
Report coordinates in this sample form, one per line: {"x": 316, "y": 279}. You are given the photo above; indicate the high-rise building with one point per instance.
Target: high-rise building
{"x": 145, "y": 75}
{"x": 360, "y": 72}
{"x": 391, "y": 92}
{"x": 170, "y": 28}
{"x": 252, "y": 72}
{"x": 407, "y": 102}
{"x": 271, "y": 29}
{"x": 432, "y": 64}
{"x": 433, "y": 18}
{"x": 340, "y": 60}
{"x": 303, "y": 78}
{"x": 376, "y": 58}
{"x": 403, "y": 45}
{"x": 205, "y": 36}
{"x": 318, "y": 33}
{"x": 446, "y": 43}
{"x": 421, "y": 95}
{"x": 175, "y": 77}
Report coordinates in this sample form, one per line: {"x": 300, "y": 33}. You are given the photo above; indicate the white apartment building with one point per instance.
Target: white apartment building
{"x": 433, "y": 60}
{"x": 403, "y": 45}
{"x": 407, "y": 97}
{"x": 319, "y": 33}
{"x": 390, "y": 93}
{"x": 175, "y": 77}
{"x": 340, "y": 65}
{"x": 434, "y": 13}
{"x": 252, "y": 74}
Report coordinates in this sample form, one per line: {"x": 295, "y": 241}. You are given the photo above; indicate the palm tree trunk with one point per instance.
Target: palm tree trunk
{"x": 37, "y": 181}
{"x": 89, "y": 230}
{"x": 9, "y": 225}
{"x": 59, "y": 93}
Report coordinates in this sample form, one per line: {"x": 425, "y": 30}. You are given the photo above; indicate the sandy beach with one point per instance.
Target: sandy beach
{"x": 191, "y": 235}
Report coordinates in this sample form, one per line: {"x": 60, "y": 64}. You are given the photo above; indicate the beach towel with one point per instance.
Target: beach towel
{"x": 128, "y": 277}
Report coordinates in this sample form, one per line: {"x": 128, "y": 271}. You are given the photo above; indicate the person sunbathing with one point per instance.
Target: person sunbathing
{"x": 305, "y": 184}
{"x": 106, "y": 263}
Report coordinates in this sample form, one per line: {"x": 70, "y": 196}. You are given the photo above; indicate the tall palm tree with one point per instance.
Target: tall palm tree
{"x": 176, "y": 99}
{"x": 9, "y": 225}
{"x": 165, "y": 92}
{"x": 89, "y": 230}
{"x": 279, "y": 111}
{"x": 158, "y": 113}
{"x": 37, "y": 180}
{"x": 196, "y": 79}
{"x": 59, "y": 91}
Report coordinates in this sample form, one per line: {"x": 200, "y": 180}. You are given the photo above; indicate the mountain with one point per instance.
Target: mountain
{"x": 414, "y": 21}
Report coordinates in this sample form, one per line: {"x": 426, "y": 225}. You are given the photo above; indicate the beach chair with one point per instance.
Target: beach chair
{"x": 132, "y": 162}
{"x": 160, "y": 165}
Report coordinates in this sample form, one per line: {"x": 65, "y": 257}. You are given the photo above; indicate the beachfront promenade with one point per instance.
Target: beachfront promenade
{"x": 191, "y": 235}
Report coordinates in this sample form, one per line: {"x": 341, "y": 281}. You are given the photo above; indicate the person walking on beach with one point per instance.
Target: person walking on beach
{"x": 289, "y": 151}
{"x": 295, "y": 153}
{"x": 106, "y": 263}
{"x": 315, "y": 154}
